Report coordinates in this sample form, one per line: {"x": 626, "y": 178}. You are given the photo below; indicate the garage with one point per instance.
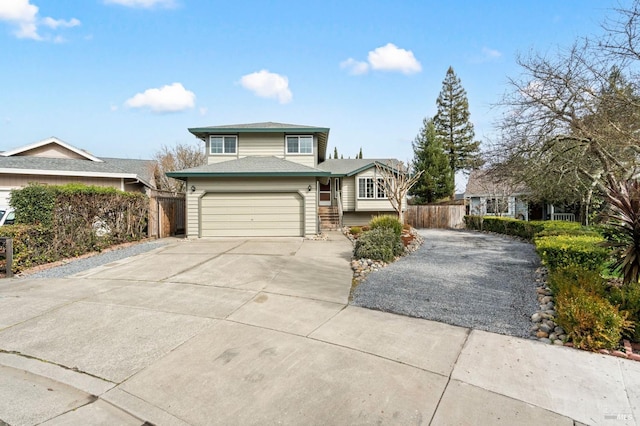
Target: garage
{"x": 264, "y": 214}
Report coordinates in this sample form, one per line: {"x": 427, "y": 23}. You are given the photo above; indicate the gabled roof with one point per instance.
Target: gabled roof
{"x": 353, "y": 166}
{"x": 13, "y": 162}
{"x": 484, "y": 183}
{"x": 249, "y": 167}
{"x": 51, "y": 140}
{"x": 267, "y": 127}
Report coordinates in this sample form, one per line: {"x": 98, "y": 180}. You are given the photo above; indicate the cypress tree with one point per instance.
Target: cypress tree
{"x": 437, "y": 180}
{"x": 453, "y": 127}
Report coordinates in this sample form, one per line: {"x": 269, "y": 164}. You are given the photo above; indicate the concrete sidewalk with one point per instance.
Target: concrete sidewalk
{"x": 259, "y": 332}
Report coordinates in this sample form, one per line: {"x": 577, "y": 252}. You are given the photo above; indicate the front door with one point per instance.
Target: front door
{"x": 325, "y": 194}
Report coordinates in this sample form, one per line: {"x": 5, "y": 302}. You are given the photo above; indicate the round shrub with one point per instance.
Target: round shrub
{"x": 387, "y": 221}
{"x": 378, "y": 244}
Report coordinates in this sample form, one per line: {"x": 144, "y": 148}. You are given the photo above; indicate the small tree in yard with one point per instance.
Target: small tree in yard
{"x": 394, "y": 179}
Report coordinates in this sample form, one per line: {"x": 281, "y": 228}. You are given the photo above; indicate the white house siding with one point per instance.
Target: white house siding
{"x": 349, "y": 193}
{"x": 261, "y": 144}
{"x": 252, "y": 185}
{"x": 362, "y": 218}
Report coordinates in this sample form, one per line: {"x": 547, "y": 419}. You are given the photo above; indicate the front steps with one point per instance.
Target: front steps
{"x": 329, "y": 218}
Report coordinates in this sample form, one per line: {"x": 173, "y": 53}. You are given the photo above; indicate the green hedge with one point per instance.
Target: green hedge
{"x": 526, "y": 229}
{"x": 56, "y": 222}
{"x": 561, "y": 251}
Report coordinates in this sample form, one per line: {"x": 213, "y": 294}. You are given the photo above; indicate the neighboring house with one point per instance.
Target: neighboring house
{"x": 273, "y": 179}
{"x": 487, "y": 195}
{"x": 55, "y": 162}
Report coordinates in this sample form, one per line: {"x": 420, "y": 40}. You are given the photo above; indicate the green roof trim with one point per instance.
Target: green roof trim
{"x": 184, "y": 175}
{"x": 227, "y": 130}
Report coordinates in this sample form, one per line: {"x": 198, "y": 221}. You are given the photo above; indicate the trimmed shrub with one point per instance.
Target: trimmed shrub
{"x": 32, "y": 245}
{"x": 34, "y": 204}
{"x": 378, "y": 244}
{"x": 80, "y": 219}
{"x": 591, "y": 321}
{"x": 627, "y": 299}
{"x": 568, "y": 250}
{"x": 387, "y": 221}
{"x": 473, "y": 222}
{"x": 564, "y": 279}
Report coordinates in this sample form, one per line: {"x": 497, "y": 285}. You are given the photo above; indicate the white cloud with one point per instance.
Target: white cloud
{"x": 268, "y": 85}
{"x": 355, "y": 67}
{"x": 385, "y": 58}
{"x": 203, "y": 111}
{"x": 392, "y": 58}
{"x": 24, "y": 15}
{"x": 55, "y": 23}
{"x": 491, "y": 53}
{"x": 145, "y": 4}
{"x": 169, "y": 98}
{"x": 21, "y": 14}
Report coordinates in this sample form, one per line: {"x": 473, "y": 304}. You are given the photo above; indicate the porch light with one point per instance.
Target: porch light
{"x": 309, "y": 188}
{"x": 193, "y": 188}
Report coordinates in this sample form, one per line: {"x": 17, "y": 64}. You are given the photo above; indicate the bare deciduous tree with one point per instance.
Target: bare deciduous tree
{"x": 572, "y": 119}
{"x": 394, "y": 179}
{"x": 178, "y": 157}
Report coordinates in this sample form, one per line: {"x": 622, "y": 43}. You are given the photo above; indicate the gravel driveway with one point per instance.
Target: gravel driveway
{"x": 469, "y": 279}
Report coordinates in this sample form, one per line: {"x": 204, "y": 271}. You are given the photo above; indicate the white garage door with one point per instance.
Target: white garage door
{"x": 4, "y": 197}
{"x": 251, "y": 215}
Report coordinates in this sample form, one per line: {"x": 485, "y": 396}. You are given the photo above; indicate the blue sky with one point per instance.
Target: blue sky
{"x": 123, "y": 77}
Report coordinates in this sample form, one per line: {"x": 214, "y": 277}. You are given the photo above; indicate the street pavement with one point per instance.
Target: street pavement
{"x": 259, "y": 331}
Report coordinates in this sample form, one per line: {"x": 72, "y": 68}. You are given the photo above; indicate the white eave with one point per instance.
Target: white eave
{"x": 48, "y": 141}
{"x": 40, "y": 172}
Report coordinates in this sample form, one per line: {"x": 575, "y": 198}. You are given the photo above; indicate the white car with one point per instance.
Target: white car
{"x": 7, "y": 216}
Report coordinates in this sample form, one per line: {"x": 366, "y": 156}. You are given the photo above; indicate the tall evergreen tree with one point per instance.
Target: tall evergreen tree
{"x": 453, "y": 126}
{"x": 359, "y": 154}
{"x": 436, "y": 181}
{"x": 335, "y": 152}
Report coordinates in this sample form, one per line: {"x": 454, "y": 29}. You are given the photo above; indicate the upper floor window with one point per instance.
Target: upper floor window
{"x": 368, "y": 188}
{"x": 299, "y": 144}
{"x": 223, "y": 144}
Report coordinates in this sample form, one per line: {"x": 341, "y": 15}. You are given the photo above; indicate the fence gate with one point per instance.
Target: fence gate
{"x": 440, "y": 216}
{"x": 166, "y": 214}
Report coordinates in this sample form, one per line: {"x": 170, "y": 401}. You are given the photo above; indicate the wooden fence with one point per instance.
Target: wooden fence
{"x": 445, "y": 216}
{"x": 166, "y": 214}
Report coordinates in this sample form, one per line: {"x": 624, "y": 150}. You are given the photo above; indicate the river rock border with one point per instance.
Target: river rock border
{"x": 546, "y": 330}
{"x": 362, "y": 267}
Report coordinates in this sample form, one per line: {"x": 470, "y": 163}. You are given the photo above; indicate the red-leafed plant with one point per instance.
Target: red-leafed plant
{"x": 624, "y": 218}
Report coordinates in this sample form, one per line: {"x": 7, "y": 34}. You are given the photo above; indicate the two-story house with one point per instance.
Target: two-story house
{"x": 273, "y": 179}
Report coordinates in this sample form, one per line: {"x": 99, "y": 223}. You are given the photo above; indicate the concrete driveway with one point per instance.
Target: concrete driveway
{"x": 259, "y": 332}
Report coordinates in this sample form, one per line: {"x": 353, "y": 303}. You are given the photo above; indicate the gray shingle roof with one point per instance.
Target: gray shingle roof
{"x": 483, "y": 183}
{"x": 251, "y": 166}
{"x": 350, "y": 166}
{"x": 141, "y": 169}
{"x": 263, "y": 125}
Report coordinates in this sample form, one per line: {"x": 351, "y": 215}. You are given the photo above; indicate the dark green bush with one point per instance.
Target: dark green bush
{"x": 34, "y": 203}
{"x": 627, "y": 299}
{"x": 567, "y": 250}
{"x": 590, "y": 320}
{"x": 378, "y": 244}
{"x": 80, "y": 219}
{"x": 32, "y": 245}
{"x": 387, "y": 221}
{"x": 473, "y": 222}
